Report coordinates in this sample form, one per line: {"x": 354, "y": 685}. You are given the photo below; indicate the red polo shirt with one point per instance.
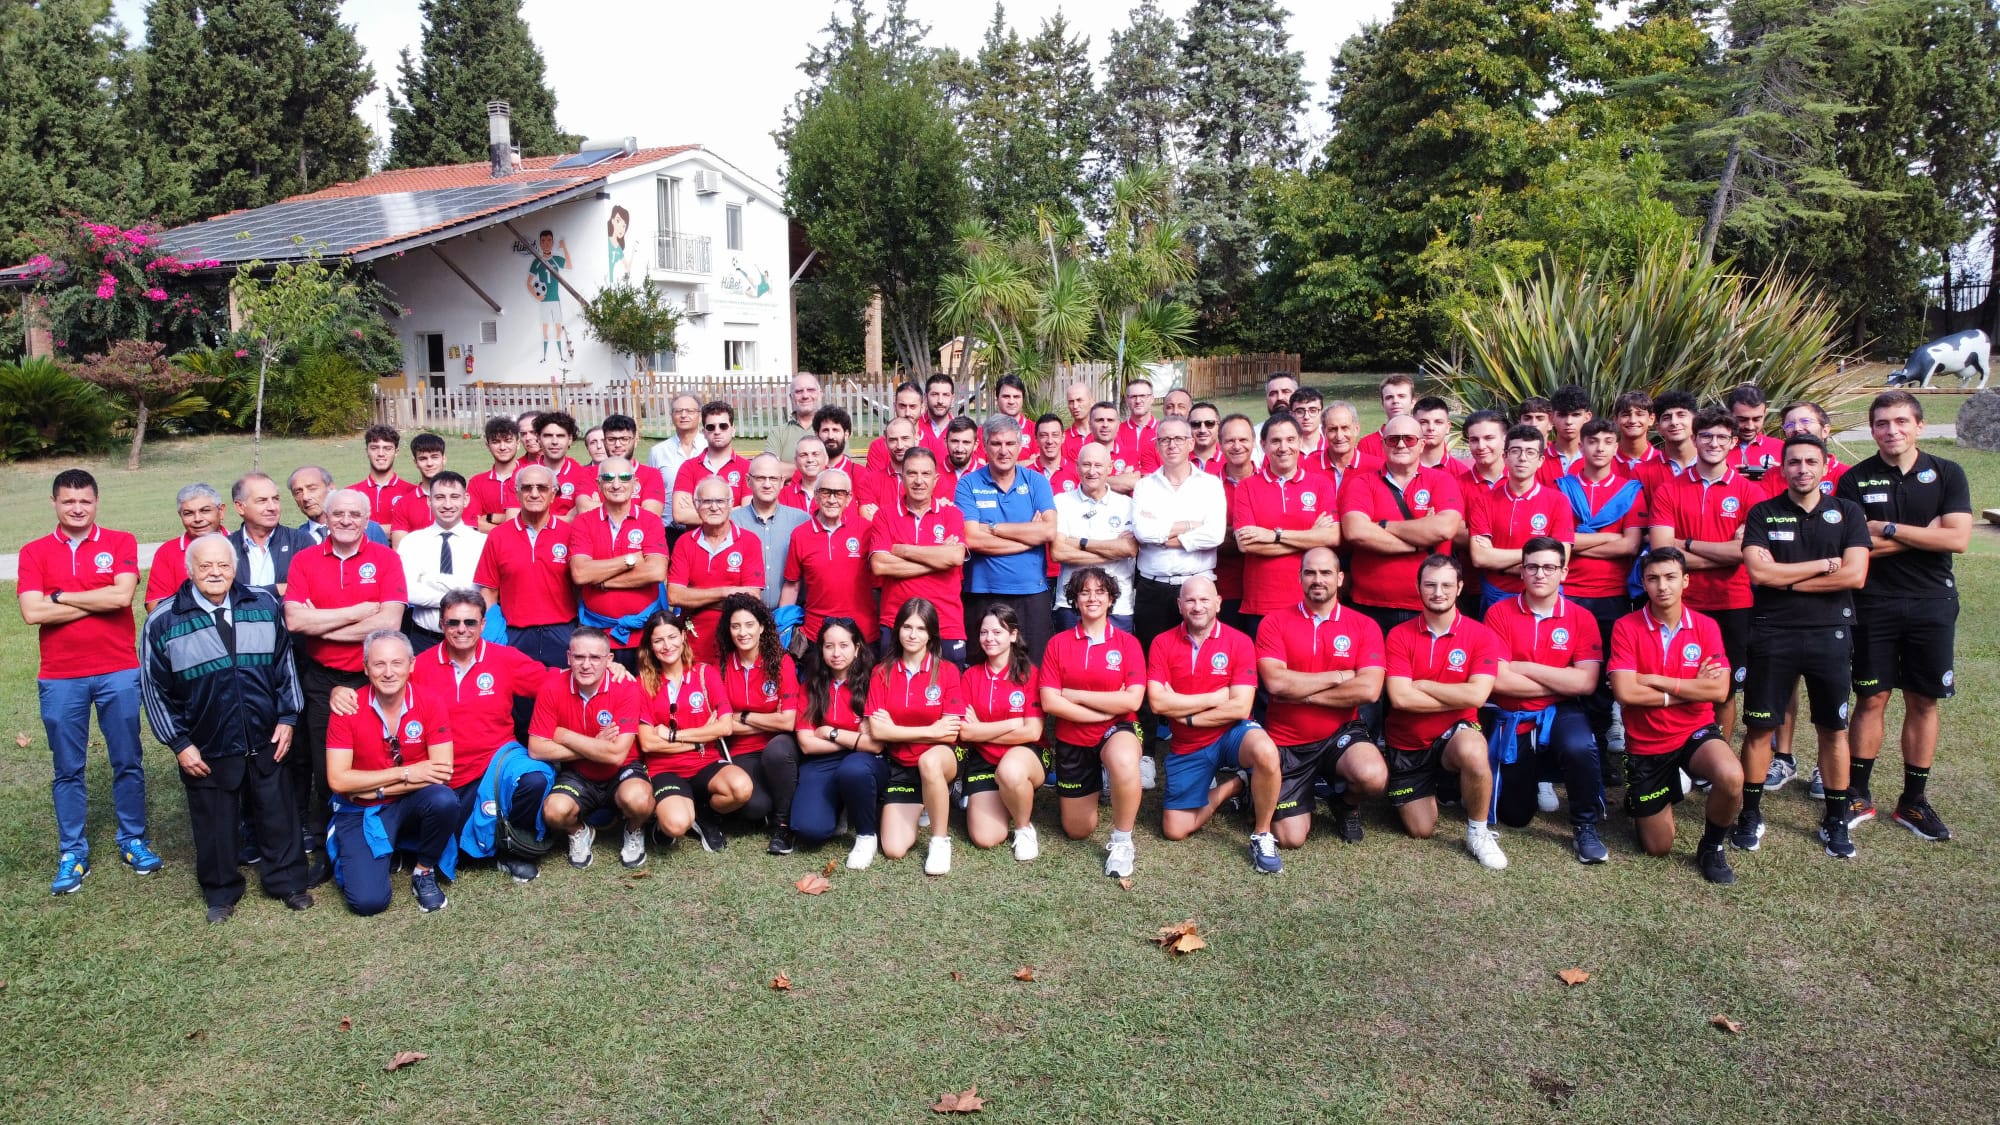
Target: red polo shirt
{"x": 381, "y": 741}
{"x": 1136, "y": 447}
{"x": 795, "y": 495}
{"x": 1225, "y": 660}
{"x": 488, "y": 492}
{"x": 417, "y": 513}
{"x": 99, "y": 642}
{"x": 383, "y": 498}
{"x": 1339, "y": 642}
{"x": 1391, "y": 580}
{"x": 530, "y": 572}
{"x": 573, "y": 482}
{"x": 652, "y": 485}
{"x": 1262, "y": 500}
{"x": 1073, "y": 660}
{"x": 1640, "y": 643}
{"x": 1564, "y": 639}
{"x": 480, "y": 700}
{"x": 1711, "y": 512}
{"x": 1605, "y": 578}
{"x": 560, "y": 705}
{"x": 1765, "y": 451}
{"x": 1509, "y": 521}
{"x": 1371, "y": 446}
{"x": 169, "y": 569}
{"x": 990, "y": 697}
{"x": 749, "y": 689}
{"x": 940, "y": 524}
{"x": 592, "y": 536}
{"x": 1631, "y": 465}
{"x": 1073, "y": 439}
{"x": 374, "y": 573}
{"x": 839, "y": 708}
{"x": 1363, "y": 462}
{"x": 915, "y": 699}
{"x": 696, "y": 564}
{"x": 691, "y": 703}
{"x": 1411, "y": 650}
{"x": 735, "y": 472}
{"x": 1062, "y": 480}
{"x": 832, "y": 568}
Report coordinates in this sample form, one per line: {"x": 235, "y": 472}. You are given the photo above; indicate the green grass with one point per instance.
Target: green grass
{"x": 1393, "y": 981}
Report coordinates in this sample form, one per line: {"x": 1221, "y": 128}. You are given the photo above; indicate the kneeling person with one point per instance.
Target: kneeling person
{"x": 693, "y": 781}
{"x": 588, "y": 726}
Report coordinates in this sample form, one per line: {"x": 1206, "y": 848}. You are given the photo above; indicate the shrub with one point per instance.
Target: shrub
{"x": 47, "y": 412}
{"x": 227, "y": 384}
{"x": 322, "y": 394}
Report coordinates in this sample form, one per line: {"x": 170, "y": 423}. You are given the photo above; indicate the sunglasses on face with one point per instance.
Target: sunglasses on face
{"x": 536, "y": 488}
{"x": 1207, "y": 424}
{"x": 461, "y": 622}
{"x": 1400, "y": 440}
{"x": 609, "y": 477}
{"x": 715, "y": 427}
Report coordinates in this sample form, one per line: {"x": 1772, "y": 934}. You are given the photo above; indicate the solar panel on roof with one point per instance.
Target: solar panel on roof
{"x": 586, "y": 159}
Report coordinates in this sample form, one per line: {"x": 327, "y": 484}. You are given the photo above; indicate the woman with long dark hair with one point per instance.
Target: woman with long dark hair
{"x": 1092, "y": 683}
{"x": 1003, "y": 727}
{"x": 915, "y": 710}
{"x": 840, "y": 765}
{"x": 762, "y": 687}
{"x": 693, "y": 780}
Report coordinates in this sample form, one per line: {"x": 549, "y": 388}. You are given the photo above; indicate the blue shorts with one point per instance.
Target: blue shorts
{"x": 1188, "y": 775}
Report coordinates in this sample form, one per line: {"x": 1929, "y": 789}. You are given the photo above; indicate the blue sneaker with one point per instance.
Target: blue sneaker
{"x": 140, "y": 857}
{"x": 1589, "y": 849}
{"x": 70, "y": 871}
{"x": 424, "y": 885}
{"x": 1264, "y": 853}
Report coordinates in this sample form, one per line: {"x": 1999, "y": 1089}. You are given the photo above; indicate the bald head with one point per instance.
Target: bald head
{"x": 1199, "y": 604}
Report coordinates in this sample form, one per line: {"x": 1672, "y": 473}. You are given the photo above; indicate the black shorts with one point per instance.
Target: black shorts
{"x": 1413, "y": 774}
{"x": 1735, "y": 627}
{"x": 1302, "y": 766}
{"x": 1080, "y": 769}
{"x": 693, "y": 788}
{"x": 977, "y": 774}
{"x": 1778, "y": 657}
{"x": 903, "y": 786}
{"x": 1905, "y": 645}
{"x": 1653, "y": 781}
{"x": 589, "y": 795}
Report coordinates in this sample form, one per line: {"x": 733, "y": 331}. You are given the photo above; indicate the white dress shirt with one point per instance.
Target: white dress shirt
{"x": 1080, "y": 517}
{"x": 422, "y": 552}
{"x": 1158, "y": 505}
{"x": 668, "y": 456}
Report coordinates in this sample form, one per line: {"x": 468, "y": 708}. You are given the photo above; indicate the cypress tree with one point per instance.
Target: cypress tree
{"x": 472, "y": 52}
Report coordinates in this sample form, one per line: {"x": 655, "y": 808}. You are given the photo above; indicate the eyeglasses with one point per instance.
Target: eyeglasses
{"x": 1176, "y": 439}
{"x": 534, "y": 488}
{"x": 609, "y": 477}
{"x": 1523, "y": 451}
{"x": 1400, "y": 440}
{"x": 1540, "y": 568}
{"x": 1205, "y": 424}
{"x": 461, "y": 622}
{"x": 1716, "y": 437}
{"x": 836, "y": 492}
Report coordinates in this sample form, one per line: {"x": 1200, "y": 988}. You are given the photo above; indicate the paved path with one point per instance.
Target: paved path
{"x": 10, "y": 565}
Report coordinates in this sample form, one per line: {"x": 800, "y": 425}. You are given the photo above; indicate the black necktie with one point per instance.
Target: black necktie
{"x": 222, "y": 626}
{"x": 444, "y": 553}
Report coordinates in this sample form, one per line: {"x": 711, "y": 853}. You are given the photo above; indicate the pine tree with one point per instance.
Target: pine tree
{"x": 254, "y": 53}
{"x": 168, "y": 112}
{"x": 1140, "y": 115}
{"x": 329, "y": 140}
{"x": 62, "y": 146}
{"x": 473, "y": 52}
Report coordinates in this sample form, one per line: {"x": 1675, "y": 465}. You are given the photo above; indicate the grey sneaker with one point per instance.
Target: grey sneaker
{"x": 1817, "y": 790}
{"x": 1782, "y": 771}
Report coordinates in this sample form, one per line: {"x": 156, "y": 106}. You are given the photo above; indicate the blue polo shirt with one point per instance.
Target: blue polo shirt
{"x": 981, "y": 501}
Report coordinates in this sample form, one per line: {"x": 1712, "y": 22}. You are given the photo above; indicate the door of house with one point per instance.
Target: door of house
{"x": 430, "y": 347}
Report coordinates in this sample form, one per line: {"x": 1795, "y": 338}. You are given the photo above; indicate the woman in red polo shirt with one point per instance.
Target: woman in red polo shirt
{"x": 762, "y": 689}
{"x": 915, "y": 710}
{"x": 840, "y": 765}
{"x": 1003, "y": 727}
{"x": 693, "y": 779}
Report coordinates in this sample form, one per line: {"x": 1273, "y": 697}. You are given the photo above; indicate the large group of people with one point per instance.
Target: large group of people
{"x": 1274, "y": 619}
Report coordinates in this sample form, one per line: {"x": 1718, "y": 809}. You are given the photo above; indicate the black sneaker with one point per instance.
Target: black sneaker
{"x": 220, "y": 914}
{"x": 782, "y": 841}
{"x": 712, "y": 839}
{"x": 519, "y": 870}
{"x": 318, "y": 870}
{"x": 1833, "y": 833}
{"x": 299, "y": 900}
{"x": 1714, "y": 865}
{"x": 1347, "y": 823}
{"x": 1749, "y": 830}
{"x": 247, "y": 855}
{"x": 1919, "y": 817}
{"x": 1613, "y": 769}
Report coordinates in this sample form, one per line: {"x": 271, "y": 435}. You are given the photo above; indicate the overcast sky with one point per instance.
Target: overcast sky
{"x": 721, "y": 73}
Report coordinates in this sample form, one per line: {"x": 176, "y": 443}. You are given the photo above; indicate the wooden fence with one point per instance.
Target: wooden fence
{"x": 1223, "y": 375}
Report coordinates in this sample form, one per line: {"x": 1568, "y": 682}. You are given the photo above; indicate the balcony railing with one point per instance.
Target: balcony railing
{"x": 681, "y": 253}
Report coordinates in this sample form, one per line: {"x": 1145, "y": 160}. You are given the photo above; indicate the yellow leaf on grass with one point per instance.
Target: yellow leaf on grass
{"x": 1723, "y": 1023}
{"x": 1025, "y": 972}
{"x": 813, "y": 884}
{"x": 968, "y": 1102}
{"x": 1573, "y": 976}
{"x": 781, "y": 983}
{"x": 405, "y": 1058}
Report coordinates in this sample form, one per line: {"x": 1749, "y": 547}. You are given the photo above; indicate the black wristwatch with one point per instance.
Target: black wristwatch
{"x": 1888, "y": 532}
{"x": 55, "y": 597}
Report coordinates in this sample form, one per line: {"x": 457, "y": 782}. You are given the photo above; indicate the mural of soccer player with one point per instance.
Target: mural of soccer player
{"x": 543, "y": 284}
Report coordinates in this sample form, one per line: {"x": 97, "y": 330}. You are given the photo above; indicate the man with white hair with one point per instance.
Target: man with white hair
{"x": 806, "y": 396}
{"x": 201, "y": 513}
{"x": 826, "y": 561}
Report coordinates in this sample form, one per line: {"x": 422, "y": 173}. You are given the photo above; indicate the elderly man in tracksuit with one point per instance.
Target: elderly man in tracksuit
{"x": 219, "y": 690}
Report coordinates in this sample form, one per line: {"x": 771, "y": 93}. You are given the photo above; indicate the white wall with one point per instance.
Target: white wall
{"x": 441, "y": 303}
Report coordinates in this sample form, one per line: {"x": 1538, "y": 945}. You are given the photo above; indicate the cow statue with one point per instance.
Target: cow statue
{"x": 1964, "y": 354}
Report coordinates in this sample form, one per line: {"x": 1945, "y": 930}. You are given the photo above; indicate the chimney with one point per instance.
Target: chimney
{"x": 500, "y": 137}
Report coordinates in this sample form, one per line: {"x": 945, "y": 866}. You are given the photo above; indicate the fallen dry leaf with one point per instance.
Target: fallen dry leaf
{"x": 830, "y": 868}
{"x": 1125, "y": 884}
{"x": 781, "y": 983}
{"x": 1723, "y": 1023}
{"x": 1025, "y": 972}
{"x": 346, "y": 1024}
{"x": 813, "y": 884}
{"x": 22, "y": 741}
{"x": 637, "y": 874}
{"x": 405, "y": 1058}
{"x": 1552, "y": 1086}
{"x": 197, "y": 1034}
{"x": 1573, "y": 976}
{"x": 1180, "y": 939}
{"x": 968, "y": 1102}
{"x": 956, "y": 975}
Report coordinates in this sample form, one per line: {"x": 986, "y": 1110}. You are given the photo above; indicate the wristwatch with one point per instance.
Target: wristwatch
{"x": 1889, "y": 530}
{"x": 632, "y": 560}
{"x": 55, "y": 597}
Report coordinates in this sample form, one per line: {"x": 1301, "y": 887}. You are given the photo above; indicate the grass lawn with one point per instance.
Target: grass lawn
{"x": 1393, "y": 981}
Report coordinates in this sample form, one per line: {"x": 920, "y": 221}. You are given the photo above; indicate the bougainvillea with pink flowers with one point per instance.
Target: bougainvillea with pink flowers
{"x": 98, "y": 283}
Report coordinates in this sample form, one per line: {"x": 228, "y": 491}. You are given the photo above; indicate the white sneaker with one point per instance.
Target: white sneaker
{"x": 579, "y": 846}
{"x": 1485, "y": 847}
{"x": 863, "y": 853}
{"x": 1026, "y": 846}
{"x": 1149, "y": 771}
{"x": 1545, "y": 796}
{"x": 632, "y": 853}
{"x": 938, "y": 860}
{"x": 924, "y": 819}
{"x": 1118, "y": 865}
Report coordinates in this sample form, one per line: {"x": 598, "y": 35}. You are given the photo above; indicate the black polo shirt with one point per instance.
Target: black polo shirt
{"x": 1933, "y": 487}
{"x": 1793, "y": 535}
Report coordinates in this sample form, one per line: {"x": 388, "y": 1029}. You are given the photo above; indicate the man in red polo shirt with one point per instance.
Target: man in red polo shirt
{"x": 76, "y": 585}
{"x": 1502, "y": 518}
{"x": 201, "y": 513}
{"x": 524, "y": 569}
{"x": 1668, "y": 670}
{"x": 1202, "y": 679}
{"x": 1609, "y": 508}
{"x": 1135, "y": 434}
{"x": 490, "y": 498}
{"x": 1340, "y": 452}
{"x": 1049, "y": 459}
{"x": 383, "y": 488}
{"x": 653, "y": 492}
{"x": 1440, "y": 668}
{"x": 1703, "y": 512}
{"x": 339, "y": 592}
{"x": 1392, "y": 521}
{"x": 1278, "y": 514}
{"x": 617, "y": 559}
{"x": 714, "y": 561}
{"x": 390, "y": 762}
{"x": 917, "y": 549}
{"x": 576, "y": 491}
{"x": 587, "y": 725}
{"x": 1757, "y": 454}
{"x": 427, "y": 452}
{"x": 720, "y": 459}
{"x": 908, "y": 406}
{"x": 1321, "y": 662}
{"x": 1093, "y": 682}
{"x": 940, "y": 405}
{"x": 827, "y": 564}
{"x": 1077, "y": 400}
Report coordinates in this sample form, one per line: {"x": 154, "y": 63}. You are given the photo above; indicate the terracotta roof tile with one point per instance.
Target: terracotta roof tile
{"x": 472, "y": 175}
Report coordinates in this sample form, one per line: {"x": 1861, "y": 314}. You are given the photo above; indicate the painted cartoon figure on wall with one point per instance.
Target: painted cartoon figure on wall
{"x": 751, "y": 284}
{"x": 543, "y": 284}
{"x": 615, "y": 230}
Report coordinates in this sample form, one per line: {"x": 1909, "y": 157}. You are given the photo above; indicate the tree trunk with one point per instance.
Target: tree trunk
{"x": 1720, "y": 207}
{"x": 138, "y": 437}
{"x": 257, "y": 433}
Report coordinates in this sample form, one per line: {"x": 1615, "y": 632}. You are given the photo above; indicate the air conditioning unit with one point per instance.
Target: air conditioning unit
{"x": 707, "y": 183}
{"x": 697, "y": 303}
